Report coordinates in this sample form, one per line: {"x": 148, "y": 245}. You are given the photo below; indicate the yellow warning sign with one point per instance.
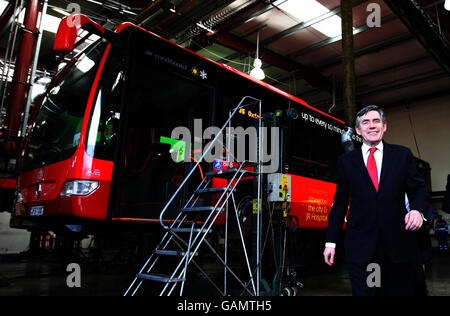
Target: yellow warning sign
{"x": 255, "y": 206}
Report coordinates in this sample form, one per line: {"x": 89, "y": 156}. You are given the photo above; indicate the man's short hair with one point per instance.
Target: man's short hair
{"x": 367, "y": 109}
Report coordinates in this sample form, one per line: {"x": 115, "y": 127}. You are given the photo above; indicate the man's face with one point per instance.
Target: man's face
{"x": 371, "y": 128}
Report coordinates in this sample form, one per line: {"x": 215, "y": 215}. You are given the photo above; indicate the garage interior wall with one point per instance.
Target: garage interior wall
{"x": 426, "y": 123}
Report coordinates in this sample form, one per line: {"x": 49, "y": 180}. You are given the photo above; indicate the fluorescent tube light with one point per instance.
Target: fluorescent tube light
{"x": 61, "y": 11}
{"x": 3, "y": 5}
{"x": 96, "y": 2}
{"x": 200, "y": 24}
{"x": 306, "y": 10}
{"x": 50, "y": 23}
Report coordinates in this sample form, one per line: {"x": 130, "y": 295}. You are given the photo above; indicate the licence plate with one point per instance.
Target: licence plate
{"x": 36, "y": 210}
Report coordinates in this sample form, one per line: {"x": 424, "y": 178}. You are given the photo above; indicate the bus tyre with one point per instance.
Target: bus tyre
{"x": 289, "y": 291}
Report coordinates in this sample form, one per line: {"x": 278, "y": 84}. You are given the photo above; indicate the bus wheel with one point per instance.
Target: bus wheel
{"x": 244, "y": 208}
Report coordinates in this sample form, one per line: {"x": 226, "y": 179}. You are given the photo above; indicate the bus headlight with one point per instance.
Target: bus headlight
{"x": 78, "y": 187}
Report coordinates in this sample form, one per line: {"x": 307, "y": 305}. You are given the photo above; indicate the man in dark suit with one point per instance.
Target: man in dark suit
{"x": 371, "y": 185}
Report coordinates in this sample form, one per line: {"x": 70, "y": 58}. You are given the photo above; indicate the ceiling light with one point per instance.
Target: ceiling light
{"x": 3, "y": 5}
{"x": 447, "y": 5}
{"x": 129, "y": 12}
{"x": 50, "y": 23}
{"x": 199, "y": 24}
{"x": 61, "y": 11}
{"x": 96, "y": 2}
{"x": 257, "y": 72}
{"x": 306, "y": 10}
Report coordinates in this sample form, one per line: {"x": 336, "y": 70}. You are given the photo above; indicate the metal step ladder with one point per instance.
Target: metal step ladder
{"x": 185, "y": 235}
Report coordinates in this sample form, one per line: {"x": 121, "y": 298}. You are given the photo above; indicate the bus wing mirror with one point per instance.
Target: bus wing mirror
{"x": 68, "y": 30}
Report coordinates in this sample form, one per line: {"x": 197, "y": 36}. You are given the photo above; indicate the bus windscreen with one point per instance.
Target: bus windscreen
{"x": 57, "y": 128}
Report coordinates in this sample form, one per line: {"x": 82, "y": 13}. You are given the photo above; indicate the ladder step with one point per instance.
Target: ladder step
{"x": 188, "y": 230}
{"x": 172, "y": 252}
{"x": 158, "y": 277}
{"x": 212, "y": 190}
{"x": 228, "y": 173}
{"x": 198, "y": 209}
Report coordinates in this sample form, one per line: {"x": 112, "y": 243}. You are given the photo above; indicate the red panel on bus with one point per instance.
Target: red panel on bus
{"x": 311, "y": 201}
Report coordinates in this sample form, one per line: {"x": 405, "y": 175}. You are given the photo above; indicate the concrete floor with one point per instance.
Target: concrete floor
{"x": 335, "y": 282}
{"x": 46, "y": 275}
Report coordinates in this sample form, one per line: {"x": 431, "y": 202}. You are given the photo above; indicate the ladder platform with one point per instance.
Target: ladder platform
{"x": 228, "y": 173}
{"x": 188, "y": 230}
{"x": 198, "y": 209}
{"x": 212, "y": 190}
{"x": 158, "y": 277}
{"x": 171, "y": 252}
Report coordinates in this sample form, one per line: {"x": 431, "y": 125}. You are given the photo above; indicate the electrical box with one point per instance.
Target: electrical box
{"x": 279, "y": 187}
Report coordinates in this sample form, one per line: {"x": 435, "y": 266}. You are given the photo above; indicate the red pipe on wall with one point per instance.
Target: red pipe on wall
{"x": 20, "y": 85}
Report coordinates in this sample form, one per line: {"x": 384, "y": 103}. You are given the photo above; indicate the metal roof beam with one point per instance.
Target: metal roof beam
{"x": 291, "y": 30}
{"x": 396, "y": 67}
{"x": 243, "y": 46}
{"x": 365, "y": 27}
{"x": 370, "y": 49}
{"x": 417, "y": 21}
{"x": 394, "y": 85}
{"x": 248, "y": 18}
{"x": 304, "y": 25}
{"x": 377, "y": 72}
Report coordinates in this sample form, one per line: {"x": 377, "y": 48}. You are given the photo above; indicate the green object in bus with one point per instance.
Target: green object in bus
{"x": 176, "y": 145}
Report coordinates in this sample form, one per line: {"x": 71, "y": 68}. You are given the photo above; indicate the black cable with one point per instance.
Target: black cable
{"x": 412, "y": 128}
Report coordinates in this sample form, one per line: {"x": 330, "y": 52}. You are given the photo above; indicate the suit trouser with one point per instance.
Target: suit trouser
{"x": 386, "y": 278}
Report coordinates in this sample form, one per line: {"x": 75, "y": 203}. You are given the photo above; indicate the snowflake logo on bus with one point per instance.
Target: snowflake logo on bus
{"x": 197, "y": 72}
{"x": 203, "y": 75}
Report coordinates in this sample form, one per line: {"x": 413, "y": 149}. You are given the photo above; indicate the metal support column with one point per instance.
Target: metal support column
{"x": 19, "y": 87}
{"x": 34, "y": 67}
{"x": 348, "y": 62}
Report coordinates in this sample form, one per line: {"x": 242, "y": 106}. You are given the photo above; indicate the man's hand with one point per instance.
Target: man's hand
{"x": 328, "y": 255}
{"x": 413, "y": 220}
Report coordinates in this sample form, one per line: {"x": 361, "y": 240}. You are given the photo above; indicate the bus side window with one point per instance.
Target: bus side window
{"x": 312, "y": 151}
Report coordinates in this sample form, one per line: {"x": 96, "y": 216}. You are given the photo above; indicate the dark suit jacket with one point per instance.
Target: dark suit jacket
{"x": 377, "y": 216}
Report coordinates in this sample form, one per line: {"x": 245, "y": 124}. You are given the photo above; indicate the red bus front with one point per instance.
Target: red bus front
{"x": 60, "y": 176}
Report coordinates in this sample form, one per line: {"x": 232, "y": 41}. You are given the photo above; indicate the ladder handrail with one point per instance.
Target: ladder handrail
{"x": 206, "y": 227}
{"x": 195, "y": 241}
{"x": 210, "y": 146}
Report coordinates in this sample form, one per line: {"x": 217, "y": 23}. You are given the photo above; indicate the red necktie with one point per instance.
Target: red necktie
{"x": 372, "y": 168}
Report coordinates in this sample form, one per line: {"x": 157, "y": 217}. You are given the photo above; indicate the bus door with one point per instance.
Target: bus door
{"x": 150, "y": 163}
